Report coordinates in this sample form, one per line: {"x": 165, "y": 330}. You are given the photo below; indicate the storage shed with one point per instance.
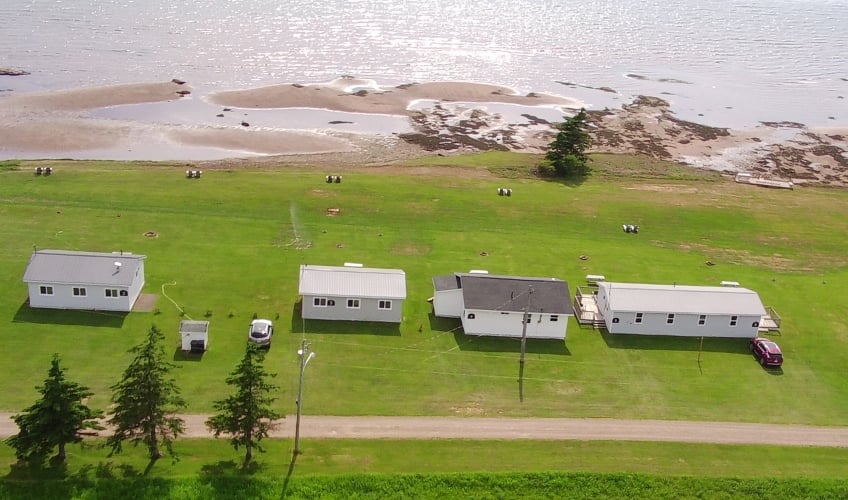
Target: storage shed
{"x": 352, "y": 293}
{"x": 194, "y": 335}
{"x": 494, "y": 305}
{"x": 679, "y": 310}
{"x": 65, "y": 279}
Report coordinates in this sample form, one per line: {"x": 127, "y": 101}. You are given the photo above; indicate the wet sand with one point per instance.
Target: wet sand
{"x": 446, "y": 118}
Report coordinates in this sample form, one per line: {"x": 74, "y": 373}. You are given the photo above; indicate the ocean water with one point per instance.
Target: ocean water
{"x": 720, "y": 62}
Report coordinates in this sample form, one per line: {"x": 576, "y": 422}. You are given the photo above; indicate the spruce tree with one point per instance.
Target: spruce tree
{"x": 54, "y": 420}
{"x": 567, "y": 152}
{"x": 246, "y": 415}
{"x": 146, "y": 399}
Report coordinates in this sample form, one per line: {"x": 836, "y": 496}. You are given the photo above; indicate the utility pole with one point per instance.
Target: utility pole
{"x": 304, "y": 359}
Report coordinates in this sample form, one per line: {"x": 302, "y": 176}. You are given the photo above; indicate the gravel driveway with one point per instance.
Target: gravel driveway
{"x": 580, "y": 429}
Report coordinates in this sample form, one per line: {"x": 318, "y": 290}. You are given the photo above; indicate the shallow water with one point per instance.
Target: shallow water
{"x": 721, "y": 62}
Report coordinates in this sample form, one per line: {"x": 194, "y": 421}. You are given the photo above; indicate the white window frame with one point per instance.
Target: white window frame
{"x": 702, "y": 319}
{"x": 639, "y": 317}
{"x": 80, "y": 291}
{"x": 111, "y": 293}
{"x": 319, "y": 301}
{"x": 734, "y": 320}
{"x": 45, "y": 290}
{"x": 353, "y": 304}
{"x": 669, "y": 319}
{"x": 554, "y": 317}
{"x": 384, "y": 305}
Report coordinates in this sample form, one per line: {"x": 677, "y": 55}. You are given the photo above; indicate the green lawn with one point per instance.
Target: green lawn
{"x": 229, "y": 246}
{"x": 442, "y": 469}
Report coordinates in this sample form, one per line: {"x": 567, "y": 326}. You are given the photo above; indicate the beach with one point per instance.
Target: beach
{"x": 438, "y": 118}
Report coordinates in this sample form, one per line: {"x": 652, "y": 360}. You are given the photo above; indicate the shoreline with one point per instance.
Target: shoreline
{"x": 167, "y": 121}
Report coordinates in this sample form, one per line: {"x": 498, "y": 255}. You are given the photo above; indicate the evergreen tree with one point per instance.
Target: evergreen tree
{"x": 54, "y": 420}
{"x": 146, "y": 399}
{"x": 246, "y": 415}
{"x": 567, "y": 153}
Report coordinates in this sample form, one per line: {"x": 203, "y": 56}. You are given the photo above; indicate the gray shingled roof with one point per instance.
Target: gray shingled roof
{"x": 446, "y": 282}
{"x": 343, "y": 281}
{"x": 82, "y": 268}
{"x": 510, "y": 293}
{"x": 638, "y": 297}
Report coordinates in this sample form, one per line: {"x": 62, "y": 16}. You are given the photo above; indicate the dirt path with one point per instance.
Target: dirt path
{"x": 588, "y": 429}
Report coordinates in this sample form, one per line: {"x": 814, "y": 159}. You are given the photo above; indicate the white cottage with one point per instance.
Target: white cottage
{"x": 64, "y": 279}
{"x": 352, "y": 293}
{"x": 493, "y": 305}
{"x": 677, "y": 310}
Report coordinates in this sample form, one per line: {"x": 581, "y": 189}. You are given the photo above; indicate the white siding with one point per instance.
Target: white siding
{"x": 95, "y": 297}
{"x": 448, "y": 303}
{"x": 368, "y": 310}
{"x": 509, "y": 324}
{"x": 683, "y": 324}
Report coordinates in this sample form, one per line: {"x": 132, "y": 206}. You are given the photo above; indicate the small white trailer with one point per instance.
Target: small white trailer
{"x": 194, "y": 335}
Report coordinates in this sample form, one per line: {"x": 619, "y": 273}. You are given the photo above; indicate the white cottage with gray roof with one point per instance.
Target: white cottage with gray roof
{"x": 679, "y": 310}
{"x": 352, "y": 293}
{"x": 65, "y": 279}
{"x": 494, "y": 305}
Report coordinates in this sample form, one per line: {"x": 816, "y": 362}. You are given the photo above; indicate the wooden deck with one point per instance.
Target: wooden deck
{"x": 586, "y": 309}
{"x": 770, "y": 322}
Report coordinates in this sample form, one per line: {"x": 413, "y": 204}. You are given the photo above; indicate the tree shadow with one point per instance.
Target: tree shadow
{"x": 102, "y": 319}
{"x": 227, "y": 476}
{"x": 670, "y": 343}
{"x": 572, "y": 181}
{"x": 509, "y": 344}
{"x": 108, "y": 470}
{"x": 48, "y": 470}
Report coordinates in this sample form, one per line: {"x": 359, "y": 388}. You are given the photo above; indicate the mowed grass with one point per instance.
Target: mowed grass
{"x": 230, "y": 244}
{"x": 199, "y": 457}
{"x": 440, "y": 469}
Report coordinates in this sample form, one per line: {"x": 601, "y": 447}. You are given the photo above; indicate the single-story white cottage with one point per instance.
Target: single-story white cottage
{"x": 679, "y": 310}
{"x": 494, "y": 305}
{"x": 64, "y": 279}
{"x": 352, "y": 293}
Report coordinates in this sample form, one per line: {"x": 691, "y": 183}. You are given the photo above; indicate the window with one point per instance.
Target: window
{"x": 733, "y": 320}
{"x": 471, "y": 316}
{"x": 353, "y": 303}
{"x": 45, "y": 290}
{"x": 669, "y": 319}
{"x": 702, "y": 320}
{"x": 529, "y": 317}
{"x": 79, "y": 292}
{"x": 331, "y": 303}
{"x": 385, "y": 305}
{"x": 112, "y": 292}
{"x": 124, "y": 293}
{"x": 755, "y": 324}
{"x": 638, "y": 317}
{"x": 615, "y": 320}
{"x": 554, "y": 317}
{"x": 319, "y": 301}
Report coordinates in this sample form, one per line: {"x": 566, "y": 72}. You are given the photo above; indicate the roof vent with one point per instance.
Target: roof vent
{"x": 118, "y": 266}
{"x": 352, "y": 264}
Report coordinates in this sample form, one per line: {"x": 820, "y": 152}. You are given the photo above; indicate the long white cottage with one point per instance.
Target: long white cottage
{"x": 494, "y": 305}
{"x": 679, "y": 310}
{"x": 64, "y": 279}
{"x": 352, "y": 293}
